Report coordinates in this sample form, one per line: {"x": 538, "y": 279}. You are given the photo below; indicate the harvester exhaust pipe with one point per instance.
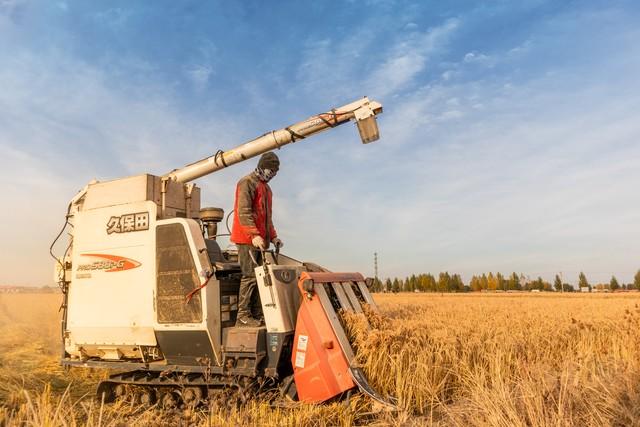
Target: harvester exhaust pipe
{"x": 362, "y": 111}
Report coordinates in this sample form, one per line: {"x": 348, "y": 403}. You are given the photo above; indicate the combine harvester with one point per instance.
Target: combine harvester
{"x": 148, "y": 292}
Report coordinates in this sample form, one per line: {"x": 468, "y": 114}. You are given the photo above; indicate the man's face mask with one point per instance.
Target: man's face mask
{"x": 266, "y": 174}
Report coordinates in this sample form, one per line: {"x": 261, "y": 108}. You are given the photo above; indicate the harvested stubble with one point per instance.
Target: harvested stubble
{"x": 499, "y": 360}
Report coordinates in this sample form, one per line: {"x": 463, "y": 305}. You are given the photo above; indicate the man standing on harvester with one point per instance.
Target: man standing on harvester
{"x": 253, "y": 231}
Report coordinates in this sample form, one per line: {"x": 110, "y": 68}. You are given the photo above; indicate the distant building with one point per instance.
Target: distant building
{"x": 584, "y": 289}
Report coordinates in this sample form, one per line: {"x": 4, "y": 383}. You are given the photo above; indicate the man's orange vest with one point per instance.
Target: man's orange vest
{"x": 252, "y": 211}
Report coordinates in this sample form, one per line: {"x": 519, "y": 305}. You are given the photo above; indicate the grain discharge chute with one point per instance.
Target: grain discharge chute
{"x": 150, "y": 295}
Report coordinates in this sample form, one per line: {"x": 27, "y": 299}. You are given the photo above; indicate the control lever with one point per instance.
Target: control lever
{"x": 265, "y": 269}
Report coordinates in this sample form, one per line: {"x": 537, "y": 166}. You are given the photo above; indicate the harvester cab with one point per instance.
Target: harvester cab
{"x": 149, "y": 294}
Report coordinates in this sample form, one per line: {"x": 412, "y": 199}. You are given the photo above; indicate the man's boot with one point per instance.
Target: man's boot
{"x": 246, "y": 320}
{"x": 256, "y": 308}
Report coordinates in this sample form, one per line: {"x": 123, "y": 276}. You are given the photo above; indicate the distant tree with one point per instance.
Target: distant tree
{"x": 412, "y": 283}
{"x": 422, "y": 283}
{"x": 582, "y": 281}
{"x": 539, "y": 284}
{"x": 636, "y": 280}
{"x": 456, "y": 283}
{"x": 388, "y": 285}
{"x": 514, "y": 282}
{"x": 484, "y": 281}
{"x": 475, "y": 284}
{"x": 613, "y": 284}
{"x": 492, "y": 282}
{"x": 443, "y": 281}
{"x": 395, "y": 287}
{"x": 431, "y": 282}
{"x": 557, "y": 283}
{"x": 500, "y": 282}
{"x": 418, "y": 284}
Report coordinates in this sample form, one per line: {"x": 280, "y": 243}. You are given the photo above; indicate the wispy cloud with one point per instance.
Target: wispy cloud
{"x": 63, "y": 123}
{"x": 199, "y": 75}
{"x": 408, "y": 57}
{"x": 10, "y": 9}
{"x": 500, "y": 172}
{"x": 115, "y": 18}
{"x": 200, "y": 68}
{"x": 330, "y": 65}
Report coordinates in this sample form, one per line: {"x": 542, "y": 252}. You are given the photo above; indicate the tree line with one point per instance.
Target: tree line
{"x": 446, "y": 282}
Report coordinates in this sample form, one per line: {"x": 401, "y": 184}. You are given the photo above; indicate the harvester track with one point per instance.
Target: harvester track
{"x": 170, "y": 390}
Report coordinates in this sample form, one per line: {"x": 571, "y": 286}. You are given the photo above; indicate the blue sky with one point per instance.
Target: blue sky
{"x": 510, "y": 137}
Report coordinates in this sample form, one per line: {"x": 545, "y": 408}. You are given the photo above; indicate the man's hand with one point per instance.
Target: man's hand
{"x": 277, "y": 243}
{"x": 258, "y": 242}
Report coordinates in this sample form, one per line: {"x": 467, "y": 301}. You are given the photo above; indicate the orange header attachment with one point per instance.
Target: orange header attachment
{"x": 322, "y": 357}
{"x": 321, "y": 367}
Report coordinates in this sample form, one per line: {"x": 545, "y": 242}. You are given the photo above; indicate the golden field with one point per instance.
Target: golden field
{"x": 450, "y": 359}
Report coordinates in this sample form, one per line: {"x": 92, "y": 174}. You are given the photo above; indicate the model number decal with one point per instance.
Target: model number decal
{"x": 108, "y": 263}
{"x": 130, "y": 222}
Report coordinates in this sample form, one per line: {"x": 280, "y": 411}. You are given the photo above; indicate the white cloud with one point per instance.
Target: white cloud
{"x": 478, "y": 58}
{"x": 202, "y": 65}
{"x": 63, "y": 123}
{"x": 8, "y": 7}
{"x": 115, "y": 18}
{"x": 199, "y": 76}
{"x": 408, "y": 57}
{"x": 329, "y": 67}
{"x": 528, "y": 184}
{"x": 476, "y": 173}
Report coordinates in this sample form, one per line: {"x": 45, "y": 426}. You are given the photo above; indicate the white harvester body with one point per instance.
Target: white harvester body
{"x": 114, "y": 263}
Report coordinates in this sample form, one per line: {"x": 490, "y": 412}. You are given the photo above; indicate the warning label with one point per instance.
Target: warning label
{"x": 302, "y": 342}
{"x": 300, "y": 356}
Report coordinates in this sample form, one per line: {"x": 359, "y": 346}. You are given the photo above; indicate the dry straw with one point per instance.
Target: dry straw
{"x": 498, "y": 360}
